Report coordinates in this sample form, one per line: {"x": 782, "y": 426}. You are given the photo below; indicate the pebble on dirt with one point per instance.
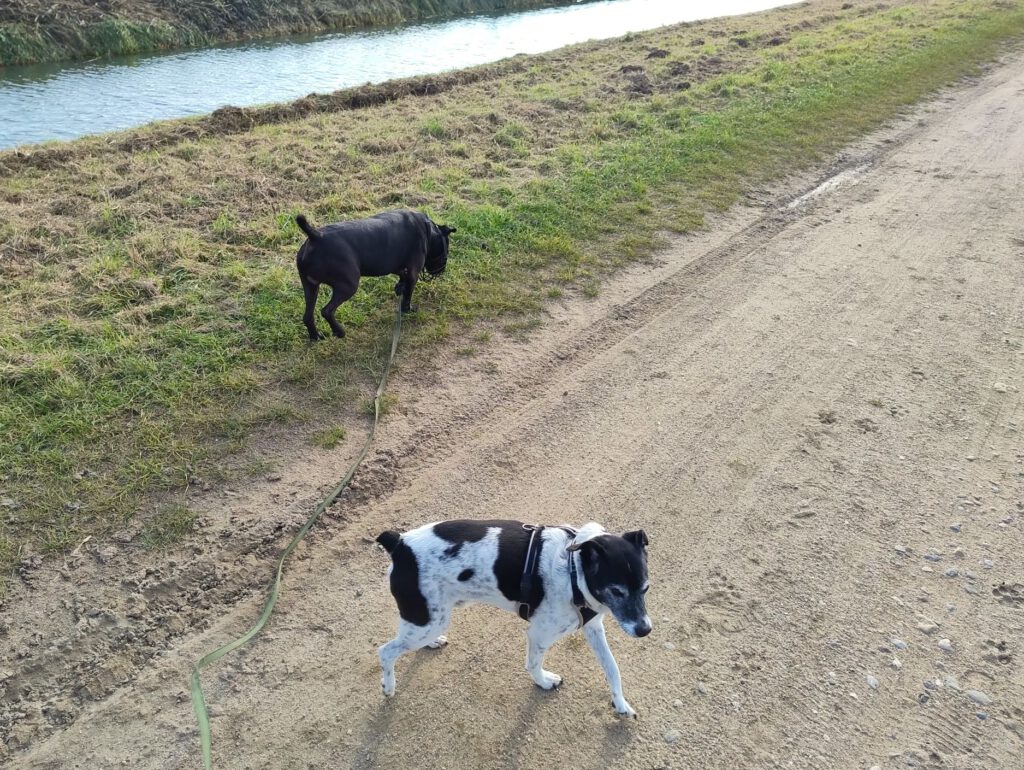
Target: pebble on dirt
{"x": 979, "y": 697}
{"x": 945, "y": 645}
{"x": 872, "y": 682}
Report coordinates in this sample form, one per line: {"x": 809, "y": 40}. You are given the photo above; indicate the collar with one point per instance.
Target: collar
{"x": 578, "y": 599}
{"x": 577, "y": 595}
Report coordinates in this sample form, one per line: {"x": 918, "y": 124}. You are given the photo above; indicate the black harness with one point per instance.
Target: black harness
{"x": 529, "y": 584}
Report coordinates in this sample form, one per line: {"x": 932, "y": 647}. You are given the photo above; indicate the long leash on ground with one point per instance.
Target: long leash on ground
{"x": 198, "y": 702}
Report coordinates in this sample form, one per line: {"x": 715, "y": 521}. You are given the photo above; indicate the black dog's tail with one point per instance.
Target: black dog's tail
{"x": 389, "y": 540}
{"x": 311, "y": 232}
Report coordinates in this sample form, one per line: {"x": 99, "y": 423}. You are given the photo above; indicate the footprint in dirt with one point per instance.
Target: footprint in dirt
{"x": 999, "y": 652}
{"x": 723, "y": 607}
{"x": 1012, "y": 594}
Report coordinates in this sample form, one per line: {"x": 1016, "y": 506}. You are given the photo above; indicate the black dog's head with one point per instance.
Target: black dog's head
{"x": 437, "y": 252}
{"x": 615, "y": 570}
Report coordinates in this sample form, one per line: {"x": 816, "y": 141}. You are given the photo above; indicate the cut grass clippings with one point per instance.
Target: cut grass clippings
{"x": 151, "y": 309}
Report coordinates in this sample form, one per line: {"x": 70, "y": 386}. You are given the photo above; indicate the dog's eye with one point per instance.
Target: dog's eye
{"x": 617, "y": 592}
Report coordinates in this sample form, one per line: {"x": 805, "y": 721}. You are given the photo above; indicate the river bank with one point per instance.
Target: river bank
{"x": 33, "y": 31}
{"x": 70, "y": 100}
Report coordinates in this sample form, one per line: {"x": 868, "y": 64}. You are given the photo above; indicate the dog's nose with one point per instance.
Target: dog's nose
{"x": 643, "y": 628}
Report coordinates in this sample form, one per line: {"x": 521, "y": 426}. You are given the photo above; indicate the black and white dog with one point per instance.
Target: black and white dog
{"x": 403, "y": 243}
{"x": 558, "y": 578}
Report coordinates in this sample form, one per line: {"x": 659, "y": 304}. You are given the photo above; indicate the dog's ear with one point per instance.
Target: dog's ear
{"x": 446, "y": 230}
{"x": 637, "y": 538}
{"x": 585, "y": 535}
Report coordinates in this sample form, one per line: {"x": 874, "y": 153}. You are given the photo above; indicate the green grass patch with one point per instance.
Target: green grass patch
{"x": 169, "y": 526}
{"x": 328, "y": 438}
{"x": 138, "y": 333}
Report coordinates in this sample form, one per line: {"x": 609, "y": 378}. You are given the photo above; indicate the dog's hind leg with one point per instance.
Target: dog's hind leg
{"x": 408, "y": 283}
{"x": 538, "y": 642}
{"x": 311, "y": 290}
{"x": 594, "y": 631}
{"x": 410, "y": 637}
{"x": 339, "y": 293}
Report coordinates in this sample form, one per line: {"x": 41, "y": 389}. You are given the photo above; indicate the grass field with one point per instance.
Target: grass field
{"x": 151, "y": 311}
{"x": 51, "y": 30}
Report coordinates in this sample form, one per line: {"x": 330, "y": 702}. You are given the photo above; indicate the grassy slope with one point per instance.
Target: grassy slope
{"x": 51, "y": 30}
{"x": 151, "y": 311}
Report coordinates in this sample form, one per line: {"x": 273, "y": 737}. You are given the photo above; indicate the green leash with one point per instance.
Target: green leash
{"x": 198, "y": 702}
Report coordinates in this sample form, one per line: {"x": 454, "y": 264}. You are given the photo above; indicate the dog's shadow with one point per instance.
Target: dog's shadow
{"x": 618, "y": 736}
{"x": 380, "y": 725}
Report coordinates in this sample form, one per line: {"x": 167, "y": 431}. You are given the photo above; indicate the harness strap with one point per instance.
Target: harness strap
{"x": 528, "y": 582}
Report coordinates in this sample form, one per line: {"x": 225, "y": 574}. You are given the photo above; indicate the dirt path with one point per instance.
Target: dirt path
{"x": 815, "y": 412}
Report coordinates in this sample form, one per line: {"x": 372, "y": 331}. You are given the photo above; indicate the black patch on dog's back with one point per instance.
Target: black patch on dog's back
{"x": 465, "y": 530}
{"x": 508, "y": 568}
{"x": 465, "y": 575}
{"x": 513, "y": 541}
{"x": 405, "y": 586}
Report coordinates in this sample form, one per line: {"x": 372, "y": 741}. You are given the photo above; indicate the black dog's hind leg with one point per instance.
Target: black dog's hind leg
{"x": 408, "y": 283}
{"x": 338, "y": 295}
{"x": 311, "y": 289}
{"x": 400, "y": 286}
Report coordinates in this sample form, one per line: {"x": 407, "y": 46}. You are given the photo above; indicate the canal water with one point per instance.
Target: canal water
{"x": 64, "y": 101}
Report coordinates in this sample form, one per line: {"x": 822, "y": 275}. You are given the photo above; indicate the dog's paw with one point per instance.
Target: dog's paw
{"x": 623, "y": 709}
{"x": 548, "y": 681}
{"x": 410, "y": 309}
{"x": 438, "y": 643}
{"x": 317, "y": 337}
{"x": 387, "y": 687}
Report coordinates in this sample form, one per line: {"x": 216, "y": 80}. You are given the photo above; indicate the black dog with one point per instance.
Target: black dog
{"x": 400, "y": 242}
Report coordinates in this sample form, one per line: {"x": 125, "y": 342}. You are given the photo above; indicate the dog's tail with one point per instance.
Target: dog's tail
{"x": 311, "y": 232}
{"x": 389, "y": 540}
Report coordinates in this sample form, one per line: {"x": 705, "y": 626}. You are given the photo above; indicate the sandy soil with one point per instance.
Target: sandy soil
{"x": 813, "y": 409}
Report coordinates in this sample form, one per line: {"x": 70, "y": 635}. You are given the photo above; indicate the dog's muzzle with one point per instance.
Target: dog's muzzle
{"x": 432, "y": 274}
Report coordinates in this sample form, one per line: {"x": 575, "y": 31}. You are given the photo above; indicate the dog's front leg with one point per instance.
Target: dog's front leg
{"x": 538, "y": 641}
{"x": 594, "y": 631}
